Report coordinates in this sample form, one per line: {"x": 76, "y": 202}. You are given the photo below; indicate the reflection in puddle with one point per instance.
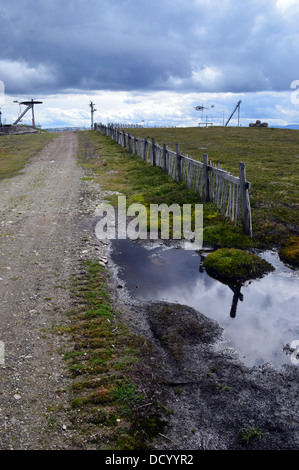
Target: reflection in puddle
{"x": 259, "y": 319}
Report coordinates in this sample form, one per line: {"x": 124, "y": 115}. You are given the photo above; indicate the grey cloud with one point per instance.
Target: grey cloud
{"x": 148, "y": 45}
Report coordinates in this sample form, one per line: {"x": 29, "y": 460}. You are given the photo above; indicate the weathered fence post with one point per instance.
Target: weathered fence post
{"x": 144, "y": 149}
{"x": 154, "y": 152}
{"x": 129, "y": 142}
{"x": 135, "y": 145}
{"x": 206, "y": 177}
{"x": 245, "y": 202}
{"x": 164, "y": 158}
{"x": 178, "y": 162}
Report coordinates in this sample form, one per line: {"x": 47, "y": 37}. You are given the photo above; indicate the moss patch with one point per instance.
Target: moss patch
{"x": 290, "y": 252}
{"x": 231, "y": 265}
{"x": 220, "y": 236}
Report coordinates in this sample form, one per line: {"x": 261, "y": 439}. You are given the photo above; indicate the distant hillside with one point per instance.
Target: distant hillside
{"x": 289, "y": 126}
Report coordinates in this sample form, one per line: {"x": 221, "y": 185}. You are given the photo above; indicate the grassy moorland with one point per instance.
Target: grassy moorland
{"x": 272, "y": 167}
{"x": 17, "y": 150}
{"x": 116, "y": 170}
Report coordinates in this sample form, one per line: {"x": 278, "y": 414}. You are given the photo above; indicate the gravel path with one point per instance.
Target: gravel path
{"x": 40, "y": 234}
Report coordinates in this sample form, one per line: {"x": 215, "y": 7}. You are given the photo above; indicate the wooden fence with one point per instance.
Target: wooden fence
{"x": 229, "y": 193}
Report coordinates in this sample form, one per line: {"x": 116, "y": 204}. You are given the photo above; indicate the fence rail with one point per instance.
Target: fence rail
{"x": 229, "y": 193}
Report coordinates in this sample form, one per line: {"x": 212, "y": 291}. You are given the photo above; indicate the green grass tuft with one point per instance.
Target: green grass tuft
{"x": 231, "y": 265}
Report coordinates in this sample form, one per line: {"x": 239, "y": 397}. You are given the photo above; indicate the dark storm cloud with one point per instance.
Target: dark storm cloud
{"x": 200, "y": 45}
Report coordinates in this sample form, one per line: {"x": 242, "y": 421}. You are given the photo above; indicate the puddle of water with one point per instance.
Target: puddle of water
{"x": 258, "y": 321}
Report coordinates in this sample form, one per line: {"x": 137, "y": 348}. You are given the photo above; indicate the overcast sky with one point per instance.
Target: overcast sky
{"x": 150, "y": 60}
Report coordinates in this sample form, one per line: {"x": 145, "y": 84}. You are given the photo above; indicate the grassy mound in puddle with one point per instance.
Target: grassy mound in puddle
{"x": 231, "y": 265}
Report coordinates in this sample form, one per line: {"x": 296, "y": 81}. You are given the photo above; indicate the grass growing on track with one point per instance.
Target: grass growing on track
{"x": 17, "y": 150}
{"x": 110, "y": 401}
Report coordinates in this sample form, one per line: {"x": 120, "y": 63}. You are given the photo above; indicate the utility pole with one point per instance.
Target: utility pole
{"x": 237, "y": 107}
{"x": 92, "y": 111}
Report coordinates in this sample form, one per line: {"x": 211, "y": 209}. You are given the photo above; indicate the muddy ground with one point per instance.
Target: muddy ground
{"x": 46, "y": 212}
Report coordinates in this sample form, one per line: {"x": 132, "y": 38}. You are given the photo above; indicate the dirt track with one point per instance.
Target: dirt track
{"x": 39, "y": 245}
{"x": 43, "y": 223}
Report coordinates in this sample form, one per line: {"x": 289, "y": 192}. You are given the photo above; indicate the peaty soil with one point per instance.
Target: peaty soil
{"x": 47, "y": 214}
